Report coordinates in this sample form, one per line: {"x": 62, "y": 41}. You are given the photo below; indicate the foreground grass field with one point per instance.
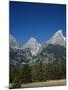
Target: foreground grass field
{"x": 44, "y": 84}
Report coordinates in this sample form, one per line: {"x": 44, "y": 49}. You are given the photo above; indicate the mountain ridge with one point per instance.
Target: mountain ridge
{"x": 35, "y": 47}
{"x": 57, "y": 39}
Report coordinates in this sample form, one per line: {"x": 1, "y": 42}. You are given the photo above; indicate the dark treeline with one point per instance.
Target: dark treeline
{"x": 25, "y": 73}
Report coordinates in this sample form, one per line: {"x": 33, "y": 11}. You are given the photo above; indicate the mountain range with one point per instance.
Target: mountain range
{"x": 51, "y": 51}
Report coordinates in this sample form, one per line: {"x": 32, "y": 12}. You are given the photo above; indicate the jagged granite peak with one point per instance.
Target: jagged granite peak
{"x": 13, "y": 42}
{"x": 33, "y": 45}
{"x": 32, "y": 39}
{"x": 59, "y": 33}
{"x": 57, "y": 38}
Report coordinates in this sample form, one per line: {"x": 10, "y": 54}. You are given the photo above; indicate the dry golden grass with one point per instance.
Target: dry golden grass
{"x": 45, "y": 84}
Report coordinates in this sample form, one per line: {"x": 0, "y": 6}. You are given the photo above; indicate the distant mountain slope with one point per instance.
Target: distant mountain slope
{"x": 57, "y": 39}
{"x": 20, "y": 56}
{"x": 33, "y": 45}
{"x": 52, "y": 54}
{"x": 13, "y": 42}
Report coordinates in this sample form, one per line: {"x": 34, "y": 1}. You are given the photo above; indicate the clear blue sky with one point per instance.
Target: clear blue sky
{"x": 36, "y": 20}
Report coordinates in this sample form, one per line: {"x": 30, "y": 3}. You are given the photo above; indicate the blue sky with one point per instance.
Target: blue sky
{"x": 36, "y": 20}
